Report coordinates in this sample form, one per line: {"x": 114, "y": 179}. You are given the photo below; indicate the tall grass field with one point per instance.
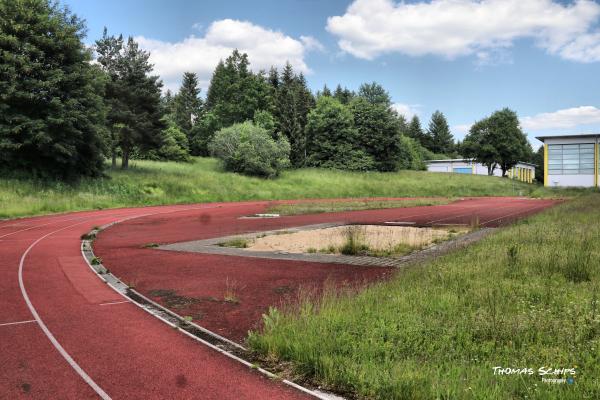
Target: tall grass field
{"x": 526, "y": 297}
{"x": 154, "y": 183}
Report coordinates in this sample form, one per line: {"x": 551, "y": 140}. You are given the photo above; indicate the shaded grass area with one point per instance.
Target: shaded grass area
{"x": 524, "y": 297}
{"x": 318, "y": 207}
{"x": 155, "y": 183}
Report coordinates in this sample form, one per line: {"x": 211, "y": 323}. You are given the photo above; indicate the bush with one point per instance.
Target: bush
{"x": 412, "y": 154}
{"x": 250, "y": 150}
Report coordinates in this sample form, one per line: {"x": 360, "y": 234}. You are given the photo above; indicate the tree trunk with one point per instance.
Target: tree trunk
{"x": 125, "y": 159}
{"x": 114, "y": 158}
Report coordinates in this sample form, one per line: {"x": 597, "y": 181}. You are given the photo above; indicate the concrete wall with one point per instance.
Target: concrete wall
{"x": 571, "y": 180}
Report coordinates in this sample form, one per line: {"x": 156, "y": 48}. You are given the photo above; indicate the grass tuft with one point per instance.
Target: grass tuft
{"x": 239, "y": 243}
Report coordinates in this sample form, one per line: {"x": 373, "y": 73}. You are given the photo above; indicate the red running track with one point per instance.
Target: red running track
{"x": 65, "y": 335}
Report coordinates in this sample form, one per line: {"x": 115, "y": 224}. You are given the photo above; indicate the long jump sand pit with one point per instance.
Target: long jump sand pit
{"x": 378, "y": 240}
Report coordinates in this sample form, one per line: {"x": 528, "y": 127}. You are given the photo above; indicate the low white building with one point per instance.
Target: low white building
{"x": 571, "y": 160}
{"x": 523, "y": 171}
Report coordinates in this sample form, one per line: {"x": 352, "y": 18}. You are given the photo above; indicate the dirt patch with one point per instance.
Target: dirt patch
{"x": 332, "y": 240}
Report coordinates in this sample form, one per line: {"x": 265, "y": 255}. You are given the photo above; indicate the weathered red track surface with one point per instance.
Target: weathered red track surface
{"x": 65, "y": 334}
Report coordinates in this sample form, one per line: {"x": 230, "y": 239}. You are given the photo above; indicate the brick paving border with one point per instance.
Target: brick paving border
{"x": 211, "y": 246}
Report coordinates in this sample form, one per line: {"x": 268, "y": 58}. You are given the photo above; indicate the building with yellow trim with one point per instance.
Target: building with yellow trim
{"x": 571, "y": 160}
{"x": 523, "y": 171}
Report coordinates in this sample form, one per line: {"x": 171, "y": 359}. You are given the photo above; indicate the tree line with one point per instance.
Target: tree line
{"x": 64, "y": 111}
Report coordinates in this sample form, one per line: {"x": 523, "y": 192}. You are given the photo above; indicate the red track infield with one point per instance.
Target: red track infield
{"x": 65, "y": 334}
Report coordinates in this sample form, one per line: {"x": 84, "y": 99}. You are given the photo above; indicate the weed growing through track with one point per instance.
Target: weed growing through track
{"x": 239, "y": 243}
{"x": 526, "y": 296}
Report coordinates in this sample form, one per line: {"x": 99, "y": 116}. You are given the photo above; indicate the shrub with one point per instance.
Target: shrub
{"x": 411, "y": 154}
{"x": 250, "y": 150}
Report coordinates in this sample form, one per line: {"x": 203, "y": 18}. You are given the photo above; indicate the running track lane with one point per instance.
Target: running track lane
{"x": 205, "y": 277}
{"x": 84, "y": 342}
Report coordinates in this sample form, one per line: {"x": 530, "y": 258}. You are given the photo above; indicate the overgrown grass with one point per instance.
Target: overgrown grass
{"x": 153, "y": 183}
{"x": 524, "y": 297}
{"x": 316, "y": 207}
{"x": 239, "y": 243}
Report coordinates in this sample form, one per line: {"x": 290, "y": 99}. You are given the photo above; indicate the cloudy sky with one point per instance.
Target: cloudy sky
{"x": 466, "y": 58}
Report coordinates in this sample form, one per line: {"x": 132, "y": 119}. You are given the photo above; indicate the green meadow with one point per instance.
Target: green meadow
{"x": 203, "y": 180}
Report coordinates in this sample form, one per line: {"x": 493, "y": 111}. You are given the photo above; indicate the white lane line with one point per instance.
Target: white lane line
{"x": 18, "y": 322}
{"x": 38, "y": 226}
{"x": 114, "y": 302}
{"x": 531, "y": 209}
{"x": 103, "y": 395}
{"x": 45, "y": 329}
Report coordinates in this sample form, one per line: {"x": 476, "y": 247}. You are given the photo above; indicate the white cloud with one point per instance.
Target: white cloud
{"x": 563, "y": 119}
{"x": 462, "y": 129}
{"x": 265, "y": 48}
{"x": 310, "y": 43}
{"x": 408, "y": 110}
{"x": 453, "y": 28}
{"x": 575, "y": 118}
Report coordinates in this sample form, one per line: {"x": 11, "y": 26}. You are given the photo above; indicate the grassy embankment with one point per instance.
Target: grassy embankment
{"x": 153, "y": 183}
{"x": 525, "y": 297}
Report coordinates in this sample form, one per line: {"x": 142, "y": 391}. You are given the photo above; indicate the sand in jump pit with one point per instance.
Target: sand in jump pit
{"x": 376, "y": 237}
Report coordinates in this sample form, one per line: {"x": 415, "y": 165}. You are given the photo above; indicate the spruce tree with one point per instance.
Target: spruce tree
{"x": 187, "y": 104}
{"x": 293, "y": 101}
{"x": 344, "y": 95}
{"x": 235, "y": 93}
{"x": 440, "y": 140}
{"x": 415, "y": 131}
{"x": 325, "y": 92}
{"x": 51, "y": 110}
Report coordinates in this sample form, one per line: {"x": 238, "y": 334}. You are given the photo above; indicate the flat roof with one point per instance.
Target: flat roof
{"x": 568, "y": 136}
{"x": 471, "y": 160}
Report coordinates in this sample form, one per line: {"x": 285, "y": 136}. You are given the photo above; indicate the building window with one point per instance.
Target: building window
{"x": 571, "y": 159}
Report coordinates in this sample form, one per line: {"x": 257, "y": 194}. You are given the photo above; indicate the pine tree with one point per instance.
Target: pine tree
{"x": 325, "y": 92}
{"x": 235, "y": 93}
{"x": 415, "y": 131}
{"x": 108, "y": 50}
{"x": 134, "y": 97}
{"x": 344, "y": 95}
{"x": 167, "y": 101}
{"x": 187, "y": 104}
{"x": 51, "y": 110}
{"x": 293, "y": 101}
{"x": 441, "y": 140}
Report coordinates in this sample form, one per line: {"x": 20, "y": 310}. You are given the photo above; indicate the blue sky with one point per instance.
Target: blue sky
{"x": 466, "y": 58}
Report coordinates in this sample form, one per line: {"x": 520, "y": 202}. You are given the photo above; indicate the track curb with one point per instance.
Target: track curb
{"x": 211, "y": 339}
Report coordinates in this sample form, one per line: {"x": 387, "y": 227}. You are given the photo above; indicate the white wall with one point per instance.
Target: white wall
{"x": 571, "y": 180}
{"x": 437, "y": 168}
